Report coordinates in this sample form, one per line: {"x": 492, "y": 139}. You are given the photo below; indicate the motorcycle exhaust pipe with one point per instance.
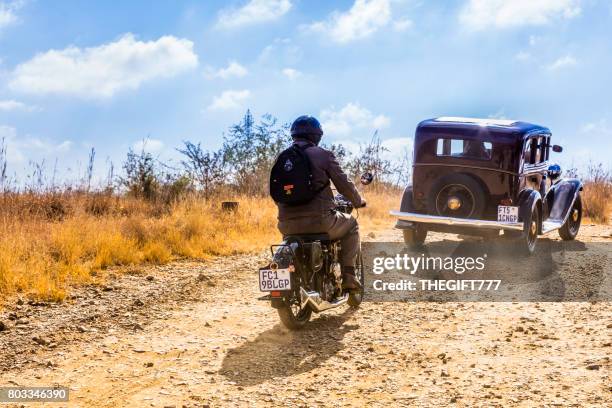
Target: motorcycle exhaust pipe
{"x": 317, "y": 304}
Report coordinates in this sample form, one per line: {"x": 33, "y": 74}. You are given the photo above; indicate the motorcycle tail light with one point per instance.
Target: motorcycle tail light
{"x": 275, "y": 293}
{"x": 506, "y": 201}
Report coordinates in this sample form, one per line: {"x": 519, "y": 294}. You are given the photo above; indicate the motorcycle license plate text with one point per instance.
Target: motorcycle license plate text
{"x": 507, "y": 213}
{"x": 279, "y": 279}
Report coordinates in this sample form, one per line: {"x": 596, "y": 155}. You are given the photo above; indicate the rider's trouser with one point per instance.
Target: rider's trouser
{"x": 337, "y": 225}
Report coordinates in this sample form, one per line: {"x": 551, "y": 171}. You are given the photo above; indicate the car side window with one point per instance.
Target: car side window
{"x": 460, "y": 148}
{"x": 531, "y": 154}
{"x": 545, "y": 148}
{"x": 536, "y": 149}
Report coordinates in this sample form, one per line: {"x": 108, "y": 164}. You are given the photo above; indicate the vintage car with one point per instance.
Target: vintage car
{"x": 484, "y": 176}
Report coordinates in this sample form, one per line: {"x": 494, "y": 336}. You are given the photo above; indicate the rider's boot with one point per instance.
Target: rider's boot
{"x": 349, "y": 281}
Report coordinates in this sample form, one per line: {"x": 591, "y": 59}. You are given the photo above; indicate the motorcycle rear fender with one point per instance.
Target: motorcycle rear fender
{"x": 277, "y": 303}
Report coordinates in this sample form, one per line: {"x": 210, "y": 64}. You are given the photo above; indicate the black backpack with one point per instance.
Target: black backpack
{"x": 291, "y": 180}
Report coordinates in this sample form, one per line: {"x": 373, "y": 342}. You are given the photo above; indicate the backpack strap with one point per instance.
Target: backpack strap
{"x": 301, "y": 151}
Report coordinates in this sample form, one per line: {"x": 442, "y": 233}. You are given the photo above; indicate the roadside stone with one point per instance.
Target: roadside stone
{"x": 40, "y": 340}
{"x": 593, "y": 367}
{"x": 150, "y": 278}
{"x": 138, "y": 302}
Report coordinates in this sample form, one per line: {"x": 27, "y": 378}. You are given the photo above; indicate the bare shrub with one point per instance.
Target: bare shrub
{"x": 100, "y": 203}
{"x": 597, "y": 194}
{"x": 141, "y": 176}
{"x": 206, "y": 169}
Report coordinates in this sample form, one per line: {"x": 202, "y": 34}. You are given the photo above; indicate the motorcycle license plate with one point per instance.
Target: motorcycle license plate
{"x": 506, "y": 213}
{"x": 274, "y": 279}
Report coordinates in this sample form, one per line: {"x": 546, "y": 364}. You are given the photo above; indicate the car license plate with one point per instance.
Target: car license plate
{"x": 274, "y": 279}
{"x": 506, "y": 213}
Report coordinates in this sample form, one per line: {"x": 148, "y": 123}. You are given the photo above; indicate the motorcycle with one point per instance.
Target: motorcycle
{"x": 305, "y": 275}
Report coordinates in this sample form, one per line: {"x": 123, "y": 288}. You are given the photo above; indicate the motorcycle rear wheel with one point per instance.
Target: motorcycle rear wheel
{"x": 294, "y": 317}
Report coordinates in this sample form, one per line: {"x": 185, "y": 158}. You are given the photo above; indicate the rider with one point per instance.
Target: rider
{"x": 319, "y": 215}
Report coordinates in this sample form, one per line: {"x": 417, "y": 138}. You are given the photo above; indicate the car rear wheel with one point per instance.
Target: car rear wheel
{"x": 569, "y": 230}
{"x": 415, "y": 237}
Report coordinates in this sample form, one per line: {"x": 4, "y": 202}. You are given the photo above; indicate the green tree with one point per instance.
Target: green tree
{"x": 250, "y": 148}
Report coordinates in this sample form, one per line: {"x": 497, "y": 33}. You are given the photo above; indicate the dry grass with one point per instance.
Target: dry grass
{"x": 597, "y": 195}
{"x": 50, "y": 243}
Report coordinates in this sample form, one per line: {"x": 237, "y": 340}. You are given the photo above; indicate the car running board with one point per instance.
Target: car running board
{"x": 549, "y": 226}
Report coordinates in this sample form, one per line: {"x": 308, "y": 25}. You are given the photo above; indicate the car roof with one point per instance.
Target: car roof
{"x": 470, "y": 126}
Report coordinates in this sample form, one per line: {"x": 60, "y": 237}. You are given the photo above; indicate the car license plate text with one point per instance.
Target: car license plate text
{"x": 506, "y": 213}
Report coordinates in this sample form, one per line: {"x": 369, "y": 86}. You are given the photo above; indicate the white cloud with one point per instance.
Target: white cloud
{"x": 21, "y": 148}
{"x": 397, "y": 147}
{"x": 148, "y": 145}
{"x": 522, "y": 56}
{"x": 8, "y": 105}
{"x": 230, "y": 100}
{"x": 598, "y": 128}
{"x": 363, "y": 19}
{"x": 233, "y": 70}
{"x": 482, "y": 14}
{"x": 563, "y": 62}
{"x": 402, "y": 25}
{"x": 253, "y": 12}
{"x": 291, "y": 73}
{"x": 8, "y": 14}
{"x": 102, "y": 71}
{"x": 351, "y": 118}
{"x": 281, "y": 52}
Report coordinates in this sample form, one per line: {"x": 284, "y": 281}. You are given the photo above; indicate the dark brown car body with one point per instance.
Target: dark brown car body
{"x": 506, "y": 162}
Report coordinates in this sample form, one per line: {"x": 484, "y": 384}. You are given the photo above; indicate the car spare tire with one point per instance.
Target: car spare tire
{"x": 457, "y": 196}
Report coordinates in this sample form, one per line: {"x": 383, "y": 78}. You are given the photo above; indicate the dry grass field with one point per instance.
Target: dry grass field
{"x": 50, "y": 242}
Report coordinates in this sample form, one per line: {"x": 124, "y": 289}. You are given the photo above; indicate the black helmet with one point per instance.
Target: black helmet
{"x": 307, "y": 127}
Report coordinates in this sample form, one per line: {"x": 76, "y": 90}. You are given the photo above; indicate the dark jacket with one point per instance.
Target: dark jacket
{"x": 325, "y": 167}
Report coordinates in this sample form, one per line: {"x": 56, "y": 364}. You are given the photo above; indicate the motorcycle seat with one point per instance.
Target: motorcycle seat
{"x": 310, "y": 237}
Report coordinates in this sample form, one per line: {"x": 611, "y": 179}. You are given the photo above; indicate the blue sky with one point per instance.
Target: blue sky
{"x": 76, "y": 75}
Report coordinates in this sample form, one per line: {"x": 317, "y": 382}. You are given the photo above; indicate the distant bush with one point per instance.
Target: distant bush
{"x": 597, "y": 194}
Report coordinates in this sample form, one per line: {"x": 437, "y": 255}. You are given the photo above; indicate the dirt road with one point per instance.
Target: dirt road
{"x": 194, "y": 335}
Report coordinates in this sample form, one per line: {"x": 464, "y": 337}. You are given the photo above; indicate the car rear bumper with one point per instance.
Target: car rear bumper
{"x": 405, "y": 220}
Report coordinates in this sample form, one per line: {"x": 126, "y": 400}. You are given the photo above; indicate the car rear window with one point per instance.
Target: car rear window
{"x": 468, "y": 149}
